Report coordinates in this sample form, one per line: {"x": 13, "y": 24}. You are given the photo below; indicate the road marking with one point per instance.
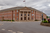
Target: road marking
{"x": 14, "y": 32}
{"x": 10, "y": 30}
{"x": 19, "y": 32}
{"x": 1, "y": 24}
{"x": 3, "y": 29}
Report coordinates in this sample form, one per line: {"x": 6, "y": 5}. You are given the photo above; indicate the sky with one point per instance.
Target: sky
{"x": 42, "y": 5}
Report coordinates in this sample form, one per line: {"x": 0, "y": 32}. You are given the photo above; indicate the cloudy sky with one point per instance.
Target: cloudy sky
{"x": 42, "y": 5}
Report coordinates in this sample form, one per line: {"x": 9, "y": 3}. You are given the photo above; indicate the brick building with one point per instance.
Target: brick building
{"x": 21, "y": 14}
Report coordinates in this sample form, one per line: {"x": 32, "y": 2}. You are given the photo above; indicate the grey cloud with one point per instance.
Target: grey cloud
{"x": 41, "y": 5}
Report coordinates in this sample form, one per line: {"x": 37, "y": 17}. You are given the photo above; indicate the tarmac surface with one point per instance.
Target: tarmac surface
{"x": 23, "y": 27}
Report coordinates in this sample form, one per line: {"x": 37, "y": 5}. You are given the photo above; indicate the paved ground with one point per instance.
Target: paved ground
{"x": 23, "y": 27}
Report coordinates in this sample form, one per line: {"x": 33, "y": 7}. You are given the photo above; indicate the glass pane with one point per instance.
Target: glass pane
{"x": 24, "y": 14}
{"x": 17, "y": 14}
{"x": 32, "y": 18}
{"x": 32, "y": 11}
{"x": 28, "y": 14}
{"x": 17, "y": 10}
{"x": 17, "y": 18}
{"x": 21, "y": 14}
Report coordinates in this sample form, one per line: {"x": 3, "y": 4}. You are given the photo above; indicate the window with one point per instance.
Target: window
{"x": 32, "y": 14}
{"x": 21, "y": 14}
{"x": 17, "y": 14}
{"x": 24, "y": 14}
{"x": 32, "y": 18}
{"x": 17, "y": 10}
{"x": 32, "y": 11}
{"x": 28, "y": 14}
{"x": 17, "y": 18}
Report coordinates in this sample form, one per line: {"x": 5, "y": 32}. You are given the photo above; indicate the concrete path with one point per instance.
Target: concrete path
{"x": 23, "y": 27}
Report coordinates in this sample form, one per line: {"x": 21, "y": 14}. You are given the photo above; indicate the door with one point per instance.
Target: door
{"x": 24, "y": 18}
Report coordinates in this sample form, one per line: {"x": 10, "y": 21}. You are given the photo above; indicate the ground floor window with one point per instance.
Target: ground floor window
{"x": 17, "y": 18}
{"x": 32, "y": 18}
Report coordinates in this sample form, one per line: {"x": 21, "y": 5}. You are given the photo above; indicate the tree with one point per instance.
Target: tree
{"x": 47, "y": 17}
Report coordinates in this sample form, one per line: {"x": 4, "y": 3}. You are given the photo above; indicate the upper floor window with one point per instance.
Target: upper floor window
{"x": 17, "y": 10}
{"x": 32, "y": 11}
{"x": 21, "y": 14}
{"x": 28, "y": 14}
{"x": 24, "y": 14}
{"x": 17, "y": 14}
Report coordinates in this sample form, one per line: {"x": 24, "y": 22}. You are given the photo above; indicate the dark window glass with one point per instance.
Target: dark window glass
{"x": 24, "y": 14}
{"x": 32, "y": 18}
{"x": 28, "y": 18}
{"x": 21, "y": 14}
{"x": 21, "y": 18}
{"x": 28, "y": 14}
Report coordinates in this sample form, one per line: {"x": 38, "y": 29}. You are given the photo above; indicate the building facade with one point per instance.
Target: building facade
{"x": 21, "y": 14}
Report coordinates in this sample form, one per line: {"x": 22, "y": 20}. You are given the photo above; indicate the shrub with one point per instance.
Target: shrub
{"x": 8, "y": 20}
{"x": 45, "y": 21}
{"x": 36, "y": 20}
{"x": 12, "y": 20}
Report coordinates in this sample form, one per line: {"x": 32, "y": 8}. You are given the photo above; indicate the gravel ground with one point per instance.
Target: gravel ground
{"x": 23, "y": 27}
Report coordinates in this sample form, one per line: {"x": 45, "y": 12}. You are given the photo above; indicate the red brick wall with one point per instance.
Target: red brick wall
{"x": 7, "y": 15}
{"x": 13, "y": 14}
{"x": 1, "y": 15}
{"x": 16, "y": 14}
{"x": 38, "y": 15}
{"x": 33, "y": 15}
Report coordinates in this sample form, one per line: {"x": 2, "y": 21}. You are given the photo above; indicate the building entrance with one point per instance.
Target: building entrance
{"x": 25, "y": 15}
{"x": 24, "y": 18}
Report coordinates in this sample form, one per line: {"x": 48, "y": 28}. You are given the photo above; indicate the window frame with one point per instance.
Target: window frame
{"x": 32, "y": 11}
{"x": 17, "y": 14}
{"x": 17, "y": 18}
{"x": 24, "y": 14}
{"x": 32, "y": 14}
{"x": 21, "y": 14}
{"x": 28, "y": 14}
{"x": 17, "y": 10}
{"x": 32, "y": 18}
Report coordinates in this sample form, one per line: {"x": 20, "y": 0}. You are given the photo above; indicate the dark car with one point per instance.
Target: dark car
{"x": 49, "y": 20}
